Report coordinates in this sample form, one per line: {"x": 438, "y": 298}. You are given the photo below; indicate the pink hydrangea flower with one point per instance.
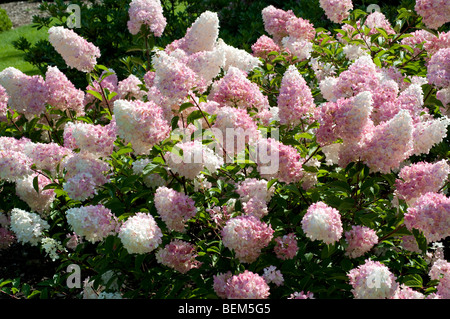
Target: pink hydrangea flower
{"x": 440, "y": 270}
{"x": 360, "y": 239}
{"x": 372, "y": 280}
{"x": 63, "y": 95}
{"x": 301, "y": 295}
{"x": 28, "y": 95}
{"x": 46, "y": 156}
{"x": 295, "y": 100}
{"x": 273, "y": 275}
{"x": 220, "y": 284}
{"x": 420, "y": 178}
{"x": 275, "y": 21}
{"x": 246, "y": 236}
{"x": 435, "y": 13}
{"x": 140, "y": 123}
{"x": 78, "y": 163}
{"x": 97, "y": 140}
{"x": 336, "y": 10}
{"x": 130, "y": 88}
{"x": 14, "y": 165}
{"x": 236, "y": 127}
{"x": 195, "y": 158}
{"x": 439, "y": 68}
{"x": 389, "y": 144}
{"x": 286, "y": 246}
{"x": 276, "y": 160}
{"x": 322, "y": 222}
{"x": 236, "y": 90}
{"x": 80, "y": 186}
{"x": 405, "y": 292}
{"x": 173, "y": 78}
{"x": 202, "y": 35}
{"x": 3, "y": 104}
{"x": 263, "y": 46}
{"x": 247, "y": 285}
{"x": 430, "y": 214}
{"x": 93, "y": 222}
{"x": 347, "y": 118}
{"x": 76, "y": 51}
{"x": 254, "y": 196}
{"x": 37, "y": 201}
{"x": 140, "y": 234}
{"x": 174, "y": 208}
{"x": 148, "y": 13}
{"x": 179, "y": 255}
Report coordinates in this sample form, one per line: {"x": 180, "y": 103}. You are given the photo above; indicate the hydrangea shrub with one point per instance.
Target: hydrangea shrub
{"x": 313, "y": 166}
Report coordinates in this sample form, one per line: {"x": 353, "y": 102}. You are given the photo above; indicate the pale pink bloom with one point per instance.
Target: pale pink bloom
{"x": 173, "y": 78}
{"x": 435, "y": 13}
{"x": 275, "y": 21}
{"x": 295, "y": 100}
{"x": 286, "y": 246}
{"x": 405, "y": 292}
{"x": 86, "y": 163}
{"x": 430, "y": 214}
{"x": 277, "y": 160}
{"x": 140, "y": 123}
{"x": 179, "y": 255}
{"x": 3, "y": 104}
{"x": 440, "y": 270}
{"x": 129, "y": 88}
{"x": 420, "y": 178}
{"x": 336, "y": 10}
{"x": 46, "y": 156}
{"x": 220, "y": 284}
{"x": 372, "y": 280}
{"x": 80, "y": 186}
{"x": 7, "y": 238}
{"x": 237, "y": 128}
{"x": 94, "y": 222}
{"x": 263, "y": 46}
{"x": 202, "y": 35}
{"x": 62, "y": 94}
{"x": 301, "y": 295}
{"x": 39, "y": 202}
{"x": 236, "y": 90}
{"x": 148, "y": 13}
{"x": 98, "y": 140}
{"x": 174, "y": 208}
{"x": 27, "y": 94}
{"x": 140, "y": 234}
{"x": 14, "y": 165}
{"x": 76, "y": 51}
{"x": 246, "y": 236}
{"x": 360, "y": 239}
{"x": 322, "y": 222}
{"x": 389, "y": 144}
{"x": 247, "y": 285}
{"x": 273, "y": 275}
{"x": 439, "y": 68}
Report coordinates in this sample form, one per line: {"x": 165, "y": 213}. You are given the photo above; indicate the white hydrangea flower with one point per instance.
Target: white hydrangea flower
{"x": 28, "y": 227}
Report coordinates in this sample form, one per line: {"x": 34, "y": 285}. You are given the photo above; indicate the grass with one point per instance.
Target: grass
{"x": 10, "y": 57}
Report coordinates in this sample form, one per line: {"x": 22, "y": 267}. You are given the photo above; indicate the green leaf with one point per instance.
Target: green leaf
{"x": 36, "y": 184}
{"x": 185, "y": 106}
{"x": 413, "y": 280}
{"x": 96, "y": 94}
{"x": 421, "y": 240}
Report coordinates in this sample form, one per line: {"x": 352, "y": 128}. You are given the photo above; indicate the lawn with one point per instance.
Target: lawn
{"x": 9, "y": 56}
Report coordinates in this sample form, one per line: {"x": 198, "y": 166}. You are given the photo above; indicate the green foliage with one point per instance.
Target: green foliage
{"x": 361, "y": 196}
{"x": 5, "y": 21}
